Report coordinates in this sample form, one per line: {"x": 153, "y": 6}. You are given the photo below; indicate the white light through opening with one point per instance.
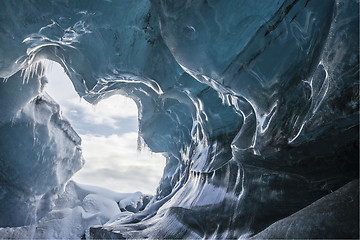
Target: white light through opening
{"x": 109, "y": 138}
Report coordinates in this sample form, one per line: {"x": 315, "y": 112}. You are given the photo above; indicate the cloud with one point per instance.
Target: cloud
{"x": 114, "y": 161}
{"x": 109, "y": 111}
{"x": 127, "y": 179}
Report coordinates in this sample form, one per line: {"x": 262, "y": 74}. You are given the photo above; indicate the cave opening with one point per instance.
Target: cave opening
{"x": 115, "y": 157}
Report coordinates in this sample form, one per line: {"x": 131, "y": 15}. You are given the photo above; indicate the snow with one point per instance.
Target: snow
{"x": 77, "y": 209}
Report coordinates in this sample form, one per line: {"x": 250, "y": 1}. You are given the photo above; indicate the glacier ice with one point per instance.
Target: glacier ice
{"x": 332, "y": 211}
{"x": 255, "y": 106}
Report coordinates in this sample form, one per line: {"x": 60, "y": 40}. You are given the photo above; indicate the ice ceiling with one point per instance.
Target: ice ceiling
{"x": 254, "y": 104}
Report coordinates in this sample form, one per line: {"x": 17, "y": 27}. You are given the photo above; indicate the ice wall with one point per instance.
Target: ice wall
{"x": 39, "y": 149}
{"x": 254, "y": 104}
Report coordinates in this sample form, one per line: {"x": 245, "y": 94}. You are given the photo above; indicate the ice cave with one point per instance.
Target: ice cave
{"x": 254, "y": 104}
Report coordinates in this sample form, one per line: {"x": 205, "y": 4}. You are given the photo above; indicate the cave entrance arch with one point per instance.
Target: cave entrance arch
{"x": 113, "y": 156}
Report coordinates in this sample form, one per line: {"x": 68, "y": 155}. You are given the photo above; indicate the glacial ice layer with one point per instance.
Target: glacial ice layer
{"x": 254, "y": 104}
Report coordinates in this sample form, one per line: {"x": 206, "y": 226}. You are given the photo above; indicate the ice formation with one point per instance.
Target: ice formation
{"x": 255, "y": 105}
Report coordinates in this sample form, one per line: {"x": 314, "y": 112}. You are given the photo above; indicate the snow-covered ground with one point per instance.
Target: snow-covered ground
{"x": 77, "y": 209}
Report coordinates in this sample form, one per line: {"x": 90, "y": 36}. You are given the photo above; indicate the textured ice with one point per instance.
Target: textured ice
{"x": 330, "y": 214}
{"x": 254, "y": 104}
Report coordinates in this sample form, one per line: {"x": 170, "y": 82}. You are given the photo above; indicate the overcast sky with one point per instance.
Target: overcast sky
{"x": 109, "y": 139}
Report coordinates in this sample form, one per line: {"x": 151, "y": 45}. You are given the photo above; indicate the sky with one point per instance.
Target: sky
{"x": 109, "y": 133}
